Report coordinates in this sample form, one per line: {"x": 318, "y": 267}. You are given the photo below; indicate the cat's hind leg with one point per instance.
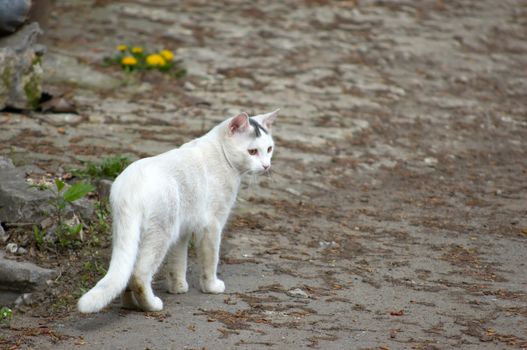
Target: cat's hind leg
{"x": 208, "y": 251}
{"x": 151, "y": 253}
{"x": 177, "y": 266}
{"x": 128, "y": 300}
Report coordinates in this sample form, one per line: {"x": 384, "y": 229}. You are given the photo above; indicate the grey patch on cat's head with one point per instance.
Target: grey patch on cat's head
{"x": 257, "y": 127}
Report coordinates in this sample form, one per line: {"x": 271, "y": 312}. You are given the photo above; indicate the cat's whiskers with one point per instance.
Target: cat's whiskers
{"x": 253, "y": 180}
{"x": 269, "y": 176}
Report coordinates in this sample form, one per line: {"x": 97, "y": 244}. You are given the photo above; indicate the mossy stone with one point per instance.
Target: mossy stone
{"x": 33, "y": 88}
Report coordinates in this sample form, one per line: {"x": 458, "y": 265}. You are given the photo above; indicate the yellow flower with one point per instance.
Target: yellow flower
{"x": 155, "y": 60}
{"x": 129, "y": 61}
{"x": 167, "y": 55}
{"x": 137, "y": 49}
{"x": 122, "y": 47}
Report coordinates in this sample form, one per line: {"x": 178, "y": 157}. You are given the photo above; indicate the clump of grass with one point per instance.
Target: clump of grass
{"x": 135, "y": 58}
{"x": 108, "y": 168}
{"x": 100, "y": 224}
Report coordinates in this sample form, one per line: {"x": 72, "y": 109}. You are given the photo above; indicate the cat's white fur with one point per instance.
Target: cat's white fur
{"x": 158, "y": 203}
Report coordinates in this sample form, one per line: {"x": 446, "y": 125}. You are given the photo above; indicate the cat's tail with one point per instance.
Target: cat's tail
{"x": 126, "y": 232}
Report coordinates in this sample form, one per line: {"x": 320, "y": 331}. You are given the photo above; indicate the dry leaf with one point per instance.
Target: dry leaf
{"x": 397, "y": 313}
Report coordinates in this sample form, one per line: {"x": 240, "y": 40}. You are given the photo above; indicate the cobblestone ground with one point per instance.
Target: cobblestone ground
{"x": 398, "y": 197}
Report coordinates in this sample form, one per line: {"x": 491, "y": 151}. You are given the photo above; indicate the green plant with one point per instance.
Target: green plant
{"x": 99, "y": 224}
{"x": 67, "y": 234}
{"x": 95, "y": 267}
{"x": 108, "y": 168}
{"x": 6, "y": 315}
{"x": 73, "y": 193}
{"x": 38, "y": 235}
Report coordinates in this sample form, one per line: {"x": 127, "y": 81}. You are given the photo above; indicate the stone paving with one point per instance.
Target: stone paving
{"x": 397, "y": 201}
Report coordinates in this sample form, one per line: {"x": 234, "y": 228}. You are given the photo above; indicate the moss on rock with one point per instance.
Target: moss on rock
{"x": 33, "y": 86}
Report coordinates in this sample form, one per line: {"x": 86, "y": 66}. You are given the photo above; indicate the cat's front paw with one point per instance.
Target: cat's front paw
{"x": 178, "y": 287}
{"x": 214, "y": 286}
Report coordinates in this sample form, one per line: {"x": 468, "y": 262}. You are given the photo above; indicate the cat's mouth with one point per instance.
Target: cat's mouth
{"x": 260, "y": 171}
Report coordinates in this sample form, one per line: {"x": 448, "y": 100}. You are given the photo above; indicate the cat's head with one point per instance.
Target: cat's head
{"x": 250, "y": 142}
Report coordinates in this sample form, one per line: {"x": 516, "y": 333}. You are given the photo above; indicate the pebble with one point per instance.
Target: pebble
{"x": 297, "y": 293}
{"x": 11, "y": 248}
{"x": 460, "y": 79}
{"x": 430, "y": 161}
{"x": 189, "y": 86}
{"x": 324, "y": 244}
{"x": 24, "y": 299}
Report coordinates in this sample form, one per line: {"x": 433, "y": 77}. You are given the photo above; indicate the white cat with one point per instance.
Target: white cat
{"x": 158, "y": 203}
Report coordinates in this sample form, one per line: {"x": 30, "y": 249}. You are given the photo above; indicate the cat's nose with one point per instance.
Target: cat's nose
{"x": 266, "y": 167}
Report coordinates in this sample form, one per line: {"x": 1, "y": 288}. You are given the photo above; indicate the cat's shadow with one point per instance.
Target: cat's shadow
{"x": 115, "y": 314}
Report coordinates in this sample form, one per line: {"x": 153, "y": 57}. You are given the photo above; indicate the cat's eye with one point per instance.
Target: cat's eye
{"x": 269, "y": 149}
{"x": 253, "y": 152}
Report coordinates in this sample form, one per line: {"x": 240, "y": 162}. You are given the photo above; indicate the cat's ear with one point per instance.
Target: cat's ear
{"x": 267, "y": 119}
{"x": 239, "y": 124}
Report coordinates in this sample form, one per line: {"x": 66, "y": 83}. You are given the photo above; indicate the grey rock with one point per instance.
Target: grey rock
{"x": 62, "y": 69}
{"x": 23, "y": 39}
{"x": 84, "y": 208}
{"x": 20, "y": 70}
{"x": 8, "y": 297}
{"x": 104, "y": 187}
{"x": 25, "y": 299}
{"x": 22, "y": 276}
{"x": 29, "y": 169}
{"x": 18, "y": 201}
{"x": 13, "y": 13}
